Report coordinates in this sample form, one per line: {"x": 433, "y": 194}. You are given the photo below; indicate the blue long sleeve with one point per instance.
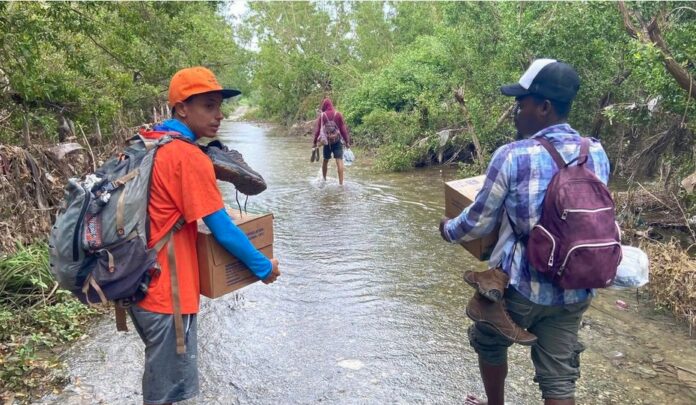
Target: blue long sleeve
{"x": 236, "y": 243}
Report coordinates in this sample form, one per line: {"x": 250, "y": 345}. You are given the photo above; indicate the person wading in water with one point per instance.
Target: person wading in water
{"x": 331, "y": 132}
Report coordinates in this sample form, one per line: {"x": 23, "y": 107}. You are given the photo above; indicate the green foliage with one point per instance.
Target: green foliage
{"x": 34, "y": 319}
{"x": 29, "y": 335}
{"x": 104, "y": 62}
{"x": 396, "y": 64}
{"x": 394, "y": 157}
{"x": 25, "y": 277}
{"x": 382, "y": 126}
{"x": 399, "y": 64}
{"x": 471, "y": 169}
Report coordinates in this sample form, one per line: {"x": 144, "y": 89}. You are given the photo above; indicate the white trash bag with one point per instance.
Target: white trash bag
{"x": 348, "y": 157}
{"x": 633, "y": 271}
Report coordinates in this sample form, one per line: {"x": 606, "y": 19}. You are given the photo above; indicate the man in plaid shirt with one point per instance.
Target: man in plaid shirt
{"x": 514, "y": 189}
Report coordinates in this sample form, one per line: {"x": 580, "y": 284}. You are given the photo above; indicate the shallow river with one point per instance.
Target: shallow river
{"x": 370, "y": 307}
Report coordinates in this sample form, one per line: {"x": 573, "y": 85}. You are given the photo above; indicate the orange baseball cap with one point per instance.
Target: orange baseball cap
{"x": 195, "y": 80}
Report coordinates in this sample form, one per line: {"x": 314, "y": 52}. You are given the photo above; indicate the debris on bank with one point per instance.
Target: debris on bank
{"x": 673, "y": 280}
{"x": 31, "y": 189}
{"x": 656, "y": 220}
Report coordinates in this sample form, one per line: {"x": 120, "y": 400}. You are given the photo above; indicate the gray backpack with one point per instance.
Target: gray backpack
{"x": 98, "y": 244}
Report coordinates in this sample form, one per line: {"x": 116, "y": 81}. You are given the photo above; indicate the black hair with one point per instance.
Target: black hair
{"x": 562, "y": 108}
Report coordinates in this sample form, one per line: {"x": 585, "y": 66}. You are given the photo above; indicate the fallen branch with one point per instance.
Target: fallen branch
{"x": 686, "y": 220}
{"x": 89, "y": 148}
{"x": 653, "y": 196}
{"x": 459, "y": 97}
{"x": 505, "y": 116}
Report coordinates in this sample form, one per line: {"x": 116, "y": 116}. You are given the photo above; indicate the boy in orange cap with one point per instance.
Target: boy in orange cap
{"x": 183, "y": 187}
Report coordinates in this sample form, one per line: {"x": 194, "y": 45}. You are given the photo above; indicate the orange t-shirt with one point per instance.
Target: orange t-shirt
{"x": 183, "y": 184}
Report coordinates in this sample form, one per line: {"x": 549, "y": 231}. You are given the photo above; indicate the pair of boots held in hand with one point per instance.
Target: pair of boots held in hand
{"x": 487, "y": 306}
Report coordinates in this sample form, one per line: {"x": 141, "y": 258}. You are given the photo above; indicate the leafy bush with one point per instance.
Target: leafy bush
{"x": 35, "y": 318}
{"x": 396, "y": 157}
{"x": 380, "y": 127}
{"x": 25, "y": 277}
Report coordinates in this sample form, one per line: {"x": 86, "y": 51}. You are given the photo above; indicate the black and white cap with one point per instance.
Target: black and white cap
{"x": 547, "y": 78}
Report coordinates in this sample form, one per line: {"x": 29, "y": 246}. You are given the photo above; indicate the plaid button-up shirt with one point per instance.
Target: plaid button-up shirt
{"x": 516, "y": 182}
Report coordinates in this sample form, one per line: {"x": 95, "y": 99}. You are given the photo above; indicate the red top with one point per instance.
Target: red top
{"x": 331, "y": 115}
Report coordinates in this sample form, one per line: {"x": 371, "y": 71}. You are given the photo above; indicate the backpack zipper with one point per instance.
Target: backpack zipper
{"x": 568, "y": 210}
{"x": 78, "y": 227}
{"x": 553, "y": 244}
{"x": 586, "y": 245}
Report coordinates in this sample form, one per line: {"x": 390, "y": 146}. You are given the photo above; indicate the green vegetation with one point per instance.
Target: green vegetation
{"x": 102, "y": 66}
{"x": 35, "y": 320}
{"x": 400, "y": 71}
{"x": 394, "y": 69}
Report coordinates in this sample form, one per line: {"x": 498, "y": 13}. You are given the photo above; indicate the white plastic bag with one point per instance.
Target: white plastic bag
{"x": 634, "y": 269}
{"x": 348, "y": 157}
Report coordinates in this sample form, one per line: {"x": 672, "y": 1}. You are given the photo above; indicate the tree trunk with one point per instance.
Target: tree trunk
{"x": 680, "y": 74}
{"x": 63, "y": 128}
{"x": 459, "y": 97}
{"x": 27, "y": 137}
{"x": 97, "y": 128}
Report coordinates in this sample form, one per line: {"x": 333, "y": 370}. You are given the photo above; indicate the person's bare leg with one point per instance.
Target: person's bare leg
{"x": 324, "y": 167}
{"x": 339, "y": 166}
{"x": 493, "y": 377}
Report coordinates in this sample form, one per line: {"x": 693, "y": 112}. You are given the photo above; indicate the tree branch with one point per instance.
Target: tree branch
{"x": 626, "y": 14}
{"x": 680, "y": 74}
{"x": 650, "y": 34}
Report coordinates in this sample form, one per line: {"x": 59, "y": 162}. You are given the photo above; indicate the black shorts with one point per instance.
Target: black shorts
{"x": 336, "y": 149}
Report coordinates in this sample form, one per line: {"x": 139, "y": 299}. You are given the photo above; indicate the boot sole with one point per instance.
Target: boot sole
{"x": 229, "y": 166}
{"x": 492, "y": 327}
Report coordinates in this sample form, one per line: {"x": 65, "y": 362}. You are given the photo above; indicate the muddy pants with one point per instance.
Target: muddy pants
{"x": 556, "y": 355}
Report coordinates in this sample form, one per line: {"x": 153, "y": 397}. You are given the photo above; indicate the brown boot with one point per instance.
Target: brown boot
{"x": 494, "y": 316}
{"x": 490, "y": 283}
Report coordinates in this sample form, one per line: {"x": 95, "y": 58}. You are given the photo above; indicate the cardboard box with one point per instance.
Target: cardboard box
{"x": 222, "y": 273}
{"x": 459, "y": 194}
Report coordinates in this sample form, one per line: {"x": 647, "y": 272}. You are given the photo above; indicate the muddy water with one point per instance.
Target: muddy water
{"x": 369, "y": 308}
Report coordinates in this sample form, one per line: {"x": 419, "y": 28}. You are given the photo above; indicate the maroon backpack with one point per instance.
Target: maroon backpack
{"x": 577, "y": 242}
{"x": 329, "y": 132}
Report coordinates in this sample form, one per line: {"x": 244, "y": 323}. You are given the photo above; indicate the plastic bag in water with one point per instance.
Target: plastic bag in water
{"x": 348, "y": 157}
{"x": 633, "y": 271}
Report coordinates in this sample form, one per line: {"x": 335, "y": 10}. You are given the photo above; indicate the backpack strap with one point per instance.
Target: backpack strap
{"x": 584, "y": 151}
{"x": 174, "y": 280}
{"x": 90, "y": 282}
{"x": 121, "y": 206}
{"x": 554, "y": 153}
{"x": 582, "y": 158}
{"x": 120, "y": 314}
